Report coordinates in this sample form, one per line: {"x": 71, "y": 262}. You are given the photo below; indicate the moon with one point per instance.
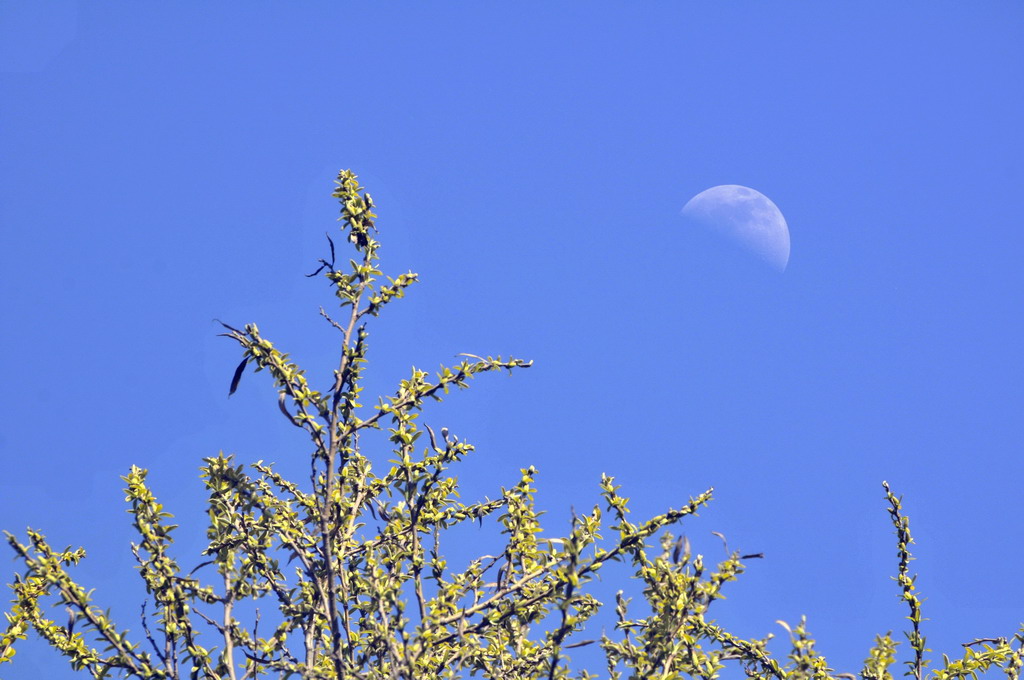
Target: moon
{"x": 746, "y": 217}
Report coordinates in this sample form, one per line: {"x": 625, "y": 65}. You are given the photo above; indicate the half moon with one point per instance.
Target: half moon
{"x": 746, "y": 217}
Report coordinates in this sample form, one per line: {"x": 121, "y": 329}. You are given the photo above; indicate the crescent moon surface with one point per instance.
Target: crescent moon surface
{"x": 745, "y": 217}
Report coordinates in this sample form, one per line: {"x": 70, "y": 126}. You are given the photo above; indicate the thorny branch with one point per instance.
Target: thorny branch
{"x": 341, "y": 557}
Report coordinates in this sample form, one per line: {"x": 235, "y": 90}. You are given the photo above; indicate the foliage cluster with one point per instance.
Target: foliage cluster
{"x": 352, "y": 561}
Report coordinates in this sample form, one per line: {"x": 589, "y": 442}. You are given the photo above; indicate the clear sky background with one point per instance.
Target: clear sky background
{"x": 163, "y": 165}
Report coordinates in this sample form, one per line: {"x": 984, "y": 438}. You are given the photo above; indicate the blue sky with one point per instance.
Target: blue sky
{"x": 165, "y": 165}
